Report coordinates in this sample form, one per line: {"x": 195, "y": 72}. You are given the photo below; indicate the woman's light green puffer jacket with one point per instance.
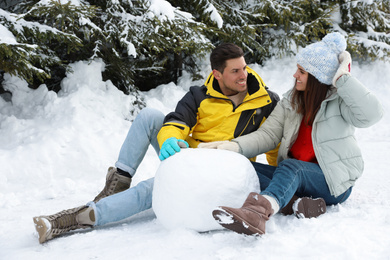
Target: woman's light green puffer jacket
{"x": 349, "y": 105}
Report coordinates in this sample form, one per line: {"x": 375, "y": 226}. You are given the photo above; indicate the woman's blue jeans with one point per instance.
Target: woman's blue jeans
{"x": 293, "y": 177}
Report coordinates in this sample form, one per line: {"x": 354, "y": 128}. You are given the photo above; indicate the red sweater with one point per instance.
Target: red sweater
{"x": 302, "y": 149}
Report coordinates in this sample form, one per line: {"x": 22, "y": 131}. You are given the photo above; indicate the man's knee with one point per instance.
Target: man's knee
{"x": 147, "y": 184}
{"x": 151, "y": 115}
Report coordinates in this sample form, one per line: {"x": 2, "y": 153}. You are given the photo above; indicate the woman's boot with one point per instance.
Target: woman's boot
{"x": 249, "y": 219}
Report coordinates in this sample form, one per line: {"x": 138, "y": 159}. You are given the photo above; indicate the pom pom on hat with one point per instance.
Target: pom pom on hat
{"x": 321, "y": 58}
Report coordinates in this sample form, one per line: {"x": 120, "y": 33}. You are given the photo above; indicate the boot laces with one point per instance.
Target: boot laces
{"x": 65, "y": 219}
{"x": 110, "y": 185}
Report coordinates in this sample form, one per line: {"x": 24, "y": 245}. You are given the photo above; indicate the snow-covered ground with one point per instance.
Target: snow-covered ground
{"x": 55, "y": 150}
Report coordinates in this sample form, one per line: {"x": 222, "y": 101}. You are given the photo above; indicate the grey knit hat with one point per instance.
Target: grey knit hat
{"x": 321, "y": 58}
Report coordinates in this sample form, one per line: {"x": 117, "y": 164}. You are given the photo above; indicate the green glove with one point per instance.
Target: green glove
{"x": 171, "y": 146}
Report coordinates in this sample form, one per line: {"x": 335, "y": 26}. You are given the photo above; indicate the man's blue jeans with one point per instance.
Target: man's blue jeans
{"x": 124, "y": 204}
{"x": 142, "y": 133}
{"x": 295, "y": 177}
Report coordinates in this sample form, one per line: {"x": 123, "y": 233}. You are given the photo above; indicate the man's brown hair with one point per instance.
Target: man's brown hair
{"x": 222, "y": 53}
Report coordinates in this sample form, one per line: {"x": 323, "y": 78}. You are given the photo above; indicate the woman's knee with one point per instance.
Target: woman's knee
{"x": 292, "y": 165}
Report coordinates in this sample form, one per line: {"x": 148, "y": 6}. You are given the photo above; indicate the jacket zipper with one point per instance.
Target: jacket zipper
{"x": 252, "y": 118}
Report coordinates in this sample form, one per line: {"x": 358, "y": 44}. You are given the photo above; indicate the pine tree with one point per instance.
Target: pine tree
{"x": 227, "y": 21}
{"x": 271, "y": 28}
{"x": 289, "y": 24}
{"x": 46, "y": 41}
{"x": 144, "y": 46}
{"x": 141, "y": 48}
{"x": 26, "y": 58}
{"x": 152, "y": 48}
{"x": 367, "y": 24}
{"x": 262, "y": 28}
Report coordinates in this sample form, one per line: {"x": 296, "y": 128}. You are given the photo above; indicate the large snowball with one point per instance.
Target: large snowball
{"x": 189, "y": 185}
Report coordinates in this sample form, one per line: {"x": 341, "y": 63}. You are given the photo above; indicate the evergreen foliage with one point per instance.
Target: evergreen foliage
{"x": 50, "y": 38}
{"x": 155, "y": 49}
{"x": 146, "y": 43}
{"x": 263, "y": 28}
{"x": 367, "y": 24}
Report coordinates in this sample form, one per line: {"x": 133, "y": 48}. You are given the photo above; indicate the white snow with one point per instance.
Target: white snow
{"x": 47, "y": 2}
{"x": 6, "y": 36}
{"x": 191, "y": 184}
{"x": 224, "y": 217}
{"x": 214, "y": 15}
{"x": 55, "y": 151}
{"x": 162, "y": 8}
{"x": 165, "y": 11}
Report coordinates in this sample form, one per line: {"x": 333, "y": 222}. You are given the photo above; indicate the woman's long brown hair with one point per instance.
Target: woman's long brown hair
{"x": 308, "y": 102}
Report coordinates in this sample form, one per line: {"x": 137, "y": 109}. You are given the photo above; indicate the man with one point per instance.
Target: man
{"x": 234, "y": 101}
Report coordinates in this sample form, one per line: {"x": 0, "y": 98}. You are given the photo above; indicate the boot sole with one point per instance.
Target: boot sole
{"x": 233, "y": 222}
{"x": 309, "y": 208}
{"x": 41, "y": 227}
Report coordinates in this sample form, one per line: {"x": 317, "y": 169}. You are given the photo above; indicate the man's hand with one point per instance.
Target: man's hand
{"x": 171, "y": 146}
{"x": 344, "y": 67}
{"x": 223, "y": 145}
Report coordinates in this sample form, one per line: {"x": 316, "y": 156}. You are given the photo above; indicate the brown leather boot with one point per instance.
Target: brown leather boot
{"x": 249, "y": 219}
{"x": 288, "y": 209}
{"x": 51, "y": 226}
{"x": 114, "y": 183}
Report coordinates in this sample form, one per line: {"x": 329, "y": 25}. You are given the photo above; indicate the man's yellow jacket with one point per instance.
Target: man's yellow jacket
{"x": 204, "y": 114}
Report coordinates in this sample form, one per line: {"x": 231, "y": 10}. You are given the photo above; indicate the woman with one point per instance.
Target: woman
{"x": 314, "y": 124}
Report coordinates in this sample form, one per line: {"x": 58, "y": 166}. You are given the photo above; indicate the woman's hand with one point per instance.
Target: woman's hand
{"x": 344, "y": 67}
{"x": 223, "y": 145}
